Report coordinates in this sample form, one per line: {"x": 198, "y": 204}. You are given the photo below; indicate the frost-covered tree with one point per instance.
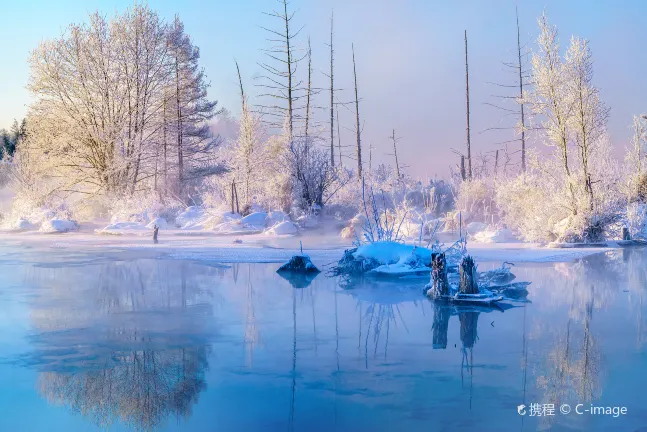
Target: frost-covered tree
{"x": 588, "y": 113}
{"x": 550, "y": 98}
{"x": 113, "y": 98}
{"x": 191, "y": 108}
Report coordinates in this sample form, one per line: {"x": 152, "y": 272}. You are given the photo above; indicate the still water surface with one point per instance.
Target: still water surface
{"x": 89, "y": 343}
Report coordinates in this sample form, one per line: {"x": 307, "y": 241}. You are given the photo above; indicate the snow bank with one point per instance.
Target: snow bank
{"x": 123, "y": 228}
{"x": 256, "y": 220}
{"x": 58, "y": 226}
{"x": 494, "y": 236}
{"x": 192, "y": 218}
{"x": 475, "y": 227}
{"x": 159, "y": 222}
{"x": 23, "y": 225}
{"x": 385, "y": 258}
{"x": 275, "y": 217}
{"x": 283, "y": 228}
{"x": 387, "y": 252}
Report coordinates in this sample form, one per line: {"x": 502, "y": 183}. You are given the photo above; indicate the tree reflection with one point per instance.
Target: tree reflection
{"x": 125, "y": 342}
{"x": 573, "y": 370}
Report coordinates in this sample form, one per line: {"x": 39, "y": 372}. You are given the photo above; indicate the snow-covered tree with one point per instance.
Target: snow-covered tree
{"x": 588, "y": 113}
{"x": 113, "y": 99}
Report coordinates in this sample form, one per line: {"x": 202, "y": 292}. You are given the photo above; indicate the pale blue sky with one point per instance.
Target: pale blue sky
{"x": 409, "y": 59}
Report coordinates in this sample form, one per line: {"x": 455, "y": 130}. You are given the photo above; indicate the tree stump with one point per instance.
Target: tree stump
{"x": 468, "y": 278}
{"x": 155, "y": 231}
{"x": 440, "y": 326}
{"x": 440, "y": 284}
{"x": 625, "y": 234}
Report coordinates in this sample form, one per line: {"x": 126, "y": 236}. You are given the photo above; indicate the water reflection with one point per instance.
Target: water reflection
{"x": 130, "y": 344}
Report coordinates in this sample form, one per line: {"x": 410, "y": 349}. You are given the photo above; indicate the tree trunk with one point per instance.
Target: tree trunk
{"x": 523, "y": 124}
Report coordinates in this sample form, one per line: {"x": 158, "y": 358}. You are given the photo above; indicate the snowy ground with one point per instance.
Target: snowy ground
{"x": 204, "y": 246}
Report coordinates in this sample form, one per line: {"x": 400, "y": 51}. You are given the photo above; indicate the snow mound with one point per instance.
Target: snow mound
{"x": 23, "y": 225}
{"x": 385, "y": 258}
{"x": 122, "y": 228}
{"x": 275, "y": 217}
{"x": 475, "y": 227}
{"x": 192, "y": 218}
{"x": 58, "y": 226}
{"x": 255, "y": 220}
{"x": 494, "y": 236}
{"x": 388, "y": 253}
{"x": 159, "y": 222}
{"x": 283, "y": 228}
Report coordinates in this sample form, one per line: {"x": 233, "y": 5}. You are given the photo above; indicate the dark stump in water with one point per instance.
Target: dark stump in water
{"x": 625, "y": 234}
{"x": 468, "y": 277}
{"x": 440, "y": 284}
{"x": 155, "y": 232}
{"x": 299, "y": 264}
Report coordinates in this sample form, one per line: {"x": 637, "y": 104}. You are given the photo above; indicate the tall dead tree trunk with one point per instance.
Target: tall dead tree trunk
{"x": 180, "y": 159}
{"x": 339, "y": 139}
{"x": 240, "y": 83}
{"x": 309, "y": 90}
{"x": 357, "y": 125}
{"x": 467, "y": 112}
{"x": 523, "y": 123}
{"x": 332, "y": 101}
{"x": 395, "y": 153}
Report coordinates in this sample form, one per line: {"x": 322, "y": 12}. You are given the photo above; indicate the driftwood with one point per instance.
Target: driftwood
{"x": 440, "y": 284}
{"x": 468, "y": 278}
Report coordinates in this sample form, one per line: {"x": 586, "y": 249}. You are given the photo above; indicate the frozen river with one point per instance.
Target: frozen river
{"x": 92, "y": 340}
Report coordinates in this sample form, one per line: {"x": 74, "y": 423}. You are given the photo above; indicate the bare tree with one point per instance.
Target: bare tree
{"x": 280, "y": 82}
